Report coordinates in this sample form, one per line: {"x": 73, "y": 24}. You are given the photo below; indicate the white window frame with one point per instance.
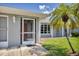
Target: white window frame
{"x": 5, "y": 43}
{"x": 47, "y": 33}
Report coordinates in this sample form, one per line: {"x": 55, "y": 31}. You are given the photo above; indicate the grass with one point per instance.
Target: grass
{"x": 60, "y": 46}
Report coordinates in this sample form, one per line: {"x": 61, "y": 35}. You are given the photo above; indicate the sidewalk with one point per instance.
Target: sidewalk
{"x": 24, "y": 51}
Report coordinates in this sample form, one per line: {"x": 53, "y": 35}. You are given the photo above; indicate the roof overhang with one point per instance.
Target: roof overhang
{"x": 14, "y": 11}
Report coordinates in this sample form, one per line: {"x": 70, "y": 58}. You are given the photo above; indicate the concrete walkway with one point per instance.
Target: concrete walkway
{"x": 24, "y": 51}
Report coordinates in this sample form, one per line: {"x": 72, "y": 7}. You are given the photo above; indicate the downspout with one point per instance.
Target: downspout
{"x": 35, "y": 32}
{"x": 21, "y": 31}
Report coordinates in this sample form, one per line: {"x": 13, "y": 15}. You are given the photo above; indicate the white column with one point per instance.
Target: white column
{"x": 70, "y": 32}
{"x": 39, "y": 29}
{"x": 62, "y": 31}
{"x": 7, "y": 30}
{"x": 51, "y": 31}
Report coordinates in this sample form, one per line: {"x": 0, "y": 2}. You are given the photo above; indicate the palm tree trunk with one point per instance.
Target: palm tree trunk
{"x": 66, "y": 34}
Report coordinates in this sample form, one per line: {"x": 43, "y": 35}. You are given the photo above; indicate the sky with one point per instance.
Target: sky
{"x": 34, "y": 7}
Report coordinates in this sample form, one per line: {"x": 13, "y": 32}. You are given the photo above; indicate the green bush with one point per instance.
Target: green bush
{"x": 75, "y": 34}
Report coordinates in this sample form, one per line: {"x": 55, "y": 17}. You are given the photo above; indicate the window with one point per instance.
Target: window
{"x": 3, "y": 29}
{"x": 45, "y": 28}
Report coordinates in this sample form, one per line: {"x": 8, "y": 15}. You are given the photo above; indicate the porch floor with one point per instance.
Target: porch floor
{"x": 24, "y": 51}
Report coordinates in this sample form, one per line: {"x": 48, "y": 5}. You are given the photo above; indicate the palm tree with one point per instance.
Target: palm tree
{"x": 65, "y": 16}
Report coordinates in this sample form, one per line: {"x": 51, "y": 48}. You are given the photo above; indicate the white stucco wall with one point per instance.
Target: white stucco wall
{"x": 76, "y": 30}
{"x": 46, "y": 20}
{"x": 14, "y": 31}
{"x": 57, "y": 33}
{"x": 53, "y": 31}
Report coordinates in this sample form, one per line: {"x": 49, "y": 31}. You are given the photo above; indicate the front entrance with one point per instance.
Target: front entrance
{"x": 28, "y": 31}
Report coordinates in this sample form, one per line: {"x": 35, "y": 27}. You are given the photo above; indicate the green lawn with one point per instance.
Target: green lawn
{"x": 59, "y": 46}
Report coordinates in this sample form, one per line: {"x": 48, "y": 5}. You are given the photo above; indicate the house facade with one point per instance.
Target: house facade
{"x": 21, "y": 27}
{"x": 47, "y": 31}
{"x": 18, "y": 27}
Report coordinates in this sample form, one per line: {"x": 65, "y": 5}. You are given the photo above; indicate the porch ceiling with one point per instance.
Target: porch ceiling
{"x": 14, "y": 11}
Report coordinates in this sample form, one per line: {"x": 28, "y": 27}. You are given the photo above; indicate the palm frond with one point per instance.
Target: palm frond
{"x": 70, "y": 10}
{"x": 73, "y": 22}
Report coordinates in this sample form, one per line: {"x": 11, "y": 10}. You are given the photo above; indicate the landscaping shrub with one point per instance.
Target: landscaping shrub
{"x": 75, "y": 34}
